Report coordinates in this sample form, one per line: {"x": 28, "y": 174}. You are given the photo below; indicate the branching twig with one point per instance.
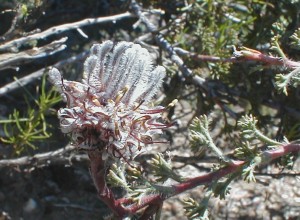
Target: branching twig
{"x": 207, "y": 178}
{"x": 61, "y": 28}
{"x": 41, "y": 158}
{"x": 254, "y": 55}
{"x": 245, "y": 54}
{"x": 13, "y": 23}
{"x": 265, "y": 157}
{"x": 119, "y": 205}
{"x": 165, "y": 45}
{"x": 12, "y": 60}
{"x": 37, "y": 74}
{"x": 201, "y": 57}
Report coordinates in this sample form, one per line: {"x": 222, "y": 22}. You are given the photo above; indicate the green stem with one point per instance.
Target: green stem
{"x": 7, "y": 121}
{"x": 278, "y": 49}
{"x": 215, "y": 149}
{"x": 265, "y": 139}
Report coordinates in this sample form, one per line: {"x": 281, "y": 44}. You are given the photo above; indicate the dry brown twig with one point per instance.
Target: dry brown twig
{"x": 8, "y": 46}
{"x": 12, "y": 60}
{"x": 37, "y": 74}
{"x": 38, "y": 159}
{"x": 9, "y": 59}
{"x": 166, "y": 46}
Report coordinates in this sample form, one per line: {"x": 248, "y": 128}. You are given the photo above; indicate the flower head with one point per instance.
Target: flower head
{"x": 109, "y": 110}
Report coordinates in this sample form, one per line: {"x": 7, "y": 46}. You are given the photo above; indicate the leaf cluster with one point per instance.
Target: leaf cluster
{"x": 24, "y": 131}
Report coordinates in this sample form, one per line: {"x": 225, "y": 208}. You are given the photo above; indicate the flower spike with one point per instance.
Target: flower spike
{"x": 108, "y": 110}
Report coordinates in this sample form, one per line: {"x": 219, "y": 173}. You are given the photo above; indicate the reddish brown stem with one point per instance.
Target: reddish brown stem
{"x": 245, "y": 55}
{"x": 271, "y": 60}
{"x": 98, "y": 173}
{"x": 207, "y": 178}
{"x": 121, "y": 206}
{"x": 279, "y": 151}
{"x": 146, "y": 201}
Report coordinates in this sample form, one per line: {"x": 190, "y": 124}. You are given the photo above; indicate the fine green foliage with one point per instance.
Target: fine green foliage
{"x": 249, "y": 131}
{"x": 24, "y": 131}
{"x": 116, "y": 177}
{"x": 295, "y": 39}
{"x": 163, "y": 169}
{"x": 215, "y": 26}
{"x": 201, "y": 137}
{"x": 248, "y": 150}
{"x": 195, "y": 210}
{"x": 221, "y": 188}
{"x": 248, "y": 172}
{"x": 290, "y": 79}
{"x": 245, "y": 151}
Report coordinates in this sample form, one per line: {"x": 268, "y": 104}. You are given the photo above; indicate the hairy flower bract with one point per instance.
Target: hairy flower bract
{"x": 109, "y": 109}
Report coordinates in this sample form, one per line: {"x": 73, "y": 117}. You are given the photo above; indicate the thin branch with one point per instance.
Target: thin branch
{"x": 201, "y": 57}
{"x": 207, "y": 178}
{"x": 245, "y": 54}
{"x": 61, "y": 28}
{"x": 278, "y": 175}
{"x": 12, "y": 60}
{"x": 118, "y": 206}
{"x": 248, "y": 55}
{"x": 42, "y": 158}
{"x": 18, "y": 12}
{"x": 279, "y": 151}
{"x": 37, "y": 74}
{"x": 265, "y": 157}
{"x": 254, "y": 55}
{"x": 165, "y": 45}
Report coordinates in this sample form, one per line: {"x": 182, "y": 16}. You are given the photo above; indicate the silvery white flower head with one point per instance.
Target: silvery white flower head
{"x": 108, "y": 111}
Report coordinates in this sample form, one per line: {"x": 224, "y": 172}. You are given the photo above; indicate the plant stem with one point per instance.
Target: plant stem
{"x": 153, "y": 201}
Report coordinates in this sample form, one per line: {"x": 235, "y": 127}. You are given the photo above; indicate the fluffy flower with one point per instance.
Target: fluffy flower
{"x": 109, "y": 110}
